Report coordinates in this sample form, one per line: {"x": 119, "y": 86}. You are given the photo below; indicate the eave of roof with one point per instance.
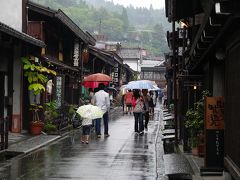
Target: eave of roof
{"x": 59, "y": 63}
{"x": 20, "y": 35}
{"x": 60, "y": 15}
{"x": 183, "y": 9}
{"x": 99, "y": 53}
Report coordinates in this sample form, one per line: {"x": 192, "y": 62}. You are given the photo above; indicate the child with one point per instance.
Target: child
{"x": 86, "y": 127}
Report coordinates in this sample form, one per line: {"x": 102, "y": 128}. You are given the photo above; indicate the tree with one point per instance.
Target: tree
{"x": 125, "y": 20}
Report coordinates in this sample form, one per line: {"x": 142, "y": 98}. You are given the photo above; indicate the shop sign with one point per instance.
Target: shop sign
{"x": 76, "y": 53}
{"x": 59, "y": 91}
{"x": 214, "y": 129}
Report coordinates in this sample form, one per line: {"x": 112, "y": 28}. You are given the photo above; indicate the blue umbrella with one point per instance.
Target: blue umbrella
{"x": 141, "y": 84}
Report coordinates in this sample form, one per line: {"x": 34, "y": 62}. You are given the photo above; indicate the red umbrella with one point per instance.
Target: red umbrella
{"x": 98, "y": 77}
{"x": 92, "y": 84}
{"x": 93, "y": 80}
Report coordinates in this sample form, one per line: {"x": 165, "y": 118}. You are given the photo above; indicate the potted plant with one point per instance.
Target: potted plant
{"x": 50, "y": 114}
{"x": 36, "y": 75}
{"x": 195, "y": 124}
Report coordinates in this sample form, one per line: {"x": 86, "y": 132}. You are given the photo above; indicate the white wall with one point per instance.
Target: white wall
{"x": 134, "y": 65}
{"x": 11, "y": 13}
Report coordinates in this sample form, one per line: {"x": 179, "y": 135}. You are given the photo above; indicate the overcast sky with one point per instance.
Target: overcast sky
{"x": 157, "y": 4}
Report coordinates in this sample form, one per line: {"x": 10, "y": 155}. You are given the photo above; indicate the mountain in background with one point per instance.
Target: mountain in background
{"x": 133, "y": 27}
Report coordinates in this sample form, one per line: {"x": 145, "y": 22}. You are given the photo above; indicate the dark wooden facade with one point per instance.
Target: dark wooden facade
{"x": 156, "y": 74}
{"x": 13, "y": 46}
{"x": 212, "y": 30}
{"x": 66, "y": 45}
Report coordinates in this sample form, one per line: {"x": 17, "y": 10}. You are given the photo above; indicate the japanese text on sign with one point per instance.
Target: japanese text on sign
{"x": 214, "y": 117}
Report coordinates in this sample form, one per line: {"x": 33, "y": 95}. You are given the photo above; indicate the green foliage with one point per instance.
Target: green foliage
{"x": 171, "y": 107}
{"x": 51, "y": 111}
{"x": 49, "y": 127}
{"x": 36, "y": 75}
{"x": 195, "y": 118}
{"x": 117, "y": 23}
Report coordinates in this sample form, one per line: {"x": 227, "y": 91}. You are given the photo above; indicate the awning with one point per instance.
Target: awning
{"x": 59, "y": 63}
{"x": 20, "y": 35}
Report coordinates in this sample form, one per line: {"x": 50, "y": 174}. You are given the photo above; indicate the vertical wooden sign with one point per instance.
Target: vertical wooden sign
{"x": 214, "y": 132}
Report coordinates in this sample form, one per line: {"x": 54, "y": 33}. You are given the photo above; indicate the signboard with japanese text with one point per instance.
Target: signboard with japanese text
{"x": 214, "y": 118}
{"x": 59, "y": 90}
{"x": 214, "y": 132}
{"x": 76, "y": 53}
{"x": 116, "y": 75}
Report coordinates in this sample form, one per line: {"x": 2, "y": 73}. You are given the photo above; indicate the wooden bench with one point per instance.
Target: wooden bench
{"x": 177, "y": 166}
{"x": 168, "y": 124}
{"x": 168, "y": 132}
{"x": 168, "y": 143}
{"x": 168, "y": 118}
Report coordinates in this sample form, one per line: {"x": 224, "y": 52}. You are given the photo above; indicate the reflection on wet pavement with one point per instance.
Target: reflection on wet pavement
{"x": 121, "y": 156}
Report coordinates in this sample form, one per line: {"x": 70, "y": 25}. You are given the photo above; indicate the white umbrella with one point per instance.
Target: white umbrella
{"x": 141, "y": 84}
{"x": 90, "y": 111}
{"x": 155, "y": 88}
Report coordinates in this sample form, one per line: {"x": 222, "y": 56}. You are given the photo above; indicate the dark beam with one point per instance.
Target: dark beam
{"x": 202, "y": 27}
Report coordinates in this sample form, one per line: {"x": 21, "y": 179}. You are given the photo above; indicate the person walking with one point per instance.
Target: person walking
{"x": 137, "y": 103}
{"x": 147, "y": 100}
{"x": 123, "y": 103}
{"x": 102, "y": 100}
{"x": 86, "y": 127}
{"x": 128, "y": 101}
{"x": 91, "y": 94}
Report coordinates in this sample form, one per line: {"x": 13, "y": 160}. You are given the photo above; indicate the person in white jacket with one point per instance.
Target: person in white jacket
{"x": 102, "y": 100}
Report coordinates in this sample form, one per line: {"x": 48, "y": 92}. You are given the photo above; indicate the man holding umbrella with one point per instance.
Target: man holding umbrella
{"x": 102, "y": 100}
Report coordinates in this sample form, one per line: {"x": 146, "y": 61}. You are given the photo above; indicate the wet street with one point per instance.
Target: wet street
{"x": 124, "y": 155}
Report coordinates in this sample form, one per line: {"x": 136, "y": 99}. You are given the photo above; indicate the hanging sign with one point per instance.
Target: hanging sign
{"x": 76, "y": 53}
{"x": 59, "y": 91}
{"x": 116, "y": 73}
{"x": 214, "y": 129}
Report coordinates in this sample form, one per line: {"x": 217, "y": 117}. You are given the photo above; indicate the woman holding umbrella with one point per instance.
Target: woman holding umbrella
{"x": 137, "y": 112}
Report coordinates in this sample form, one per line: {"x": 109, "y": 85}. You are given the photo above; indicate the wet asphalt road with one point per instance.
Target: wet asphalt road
{"x": 122, "y": 156}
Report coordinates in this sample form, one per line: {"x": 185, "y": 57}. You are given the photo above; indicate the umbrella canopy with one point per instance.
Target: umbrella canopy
{"x": 90, "y": 111}
{"x": 93, "y": 84}
{"x": 98, "y": 77}
{"x": 155, "y": 88}
{"x": 141, "y": 84}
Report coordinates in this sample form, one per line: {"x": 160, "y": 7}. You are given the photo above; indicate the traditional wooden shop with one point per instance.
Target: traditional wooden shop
{"x": 66, "y": 47}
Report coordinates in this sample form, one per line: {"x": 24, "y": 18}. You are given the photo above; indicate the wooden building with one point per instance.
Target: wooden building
{"x": 208, "y": 42}
{"x": 14, "y": 45}
{"x": 66, "y": 51}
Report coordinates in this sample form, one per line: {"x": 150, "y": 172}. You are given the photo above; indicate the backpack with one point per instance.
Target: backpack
{"x": 139, "y": 107}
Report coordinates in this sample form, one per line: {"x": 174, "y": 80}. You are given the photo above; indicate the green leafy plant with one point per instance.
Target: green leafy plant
{"x": 36, "y": 75}
{"x": 50, "y": 113}
{"x": 195, "y": 119}
{"x": 49, "y": 127}
{"x": 171, "y": 107}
